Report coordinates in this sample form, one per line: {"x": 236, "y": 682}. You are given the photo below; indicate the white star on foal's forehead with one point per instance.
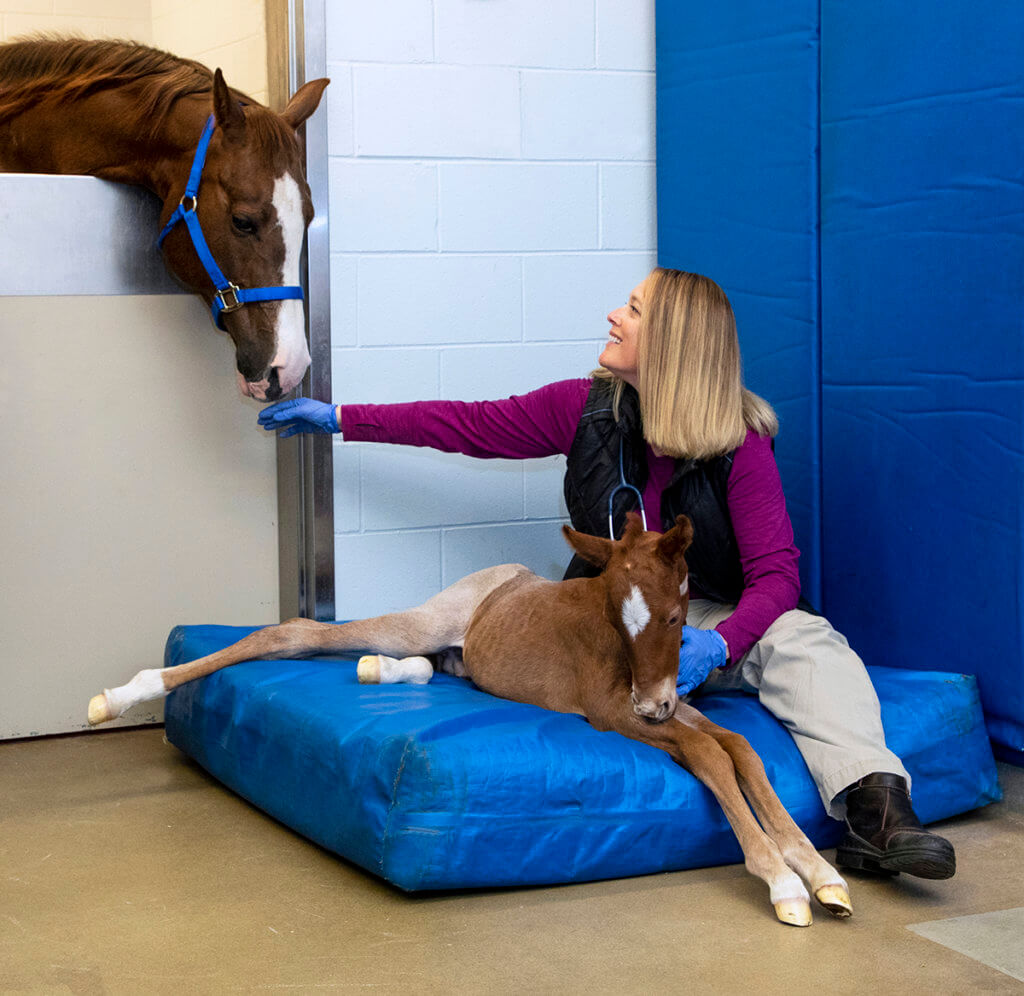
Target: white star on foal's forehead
{"x": 635, "y": 614}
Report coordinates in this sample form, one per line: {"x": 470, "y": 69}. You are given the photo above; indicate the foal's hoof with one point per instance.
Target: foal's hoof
{"x": 835, "y": 899}
{"x": 99, "y": 710}
{"x": 795, "y": 912}
{"x": 368, "y": 670}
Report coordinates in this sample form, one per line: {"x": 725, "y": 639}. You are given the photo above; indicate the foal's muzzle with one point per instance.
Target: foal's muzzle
{"x": 655, "y": 710}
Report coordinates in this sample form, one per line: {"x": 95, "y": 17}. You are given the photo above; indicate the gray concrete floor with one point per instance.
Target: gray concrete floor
{"x": 124, "y": 868}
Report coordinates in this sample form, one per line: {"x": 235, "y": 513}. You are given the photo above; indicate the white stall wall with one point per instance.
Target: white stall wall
{"x": 492, "y": 198}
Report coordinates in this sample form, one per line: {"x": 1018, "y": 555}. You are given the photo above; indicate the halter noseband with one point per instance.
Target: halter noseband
{"x": 229, "y": 296}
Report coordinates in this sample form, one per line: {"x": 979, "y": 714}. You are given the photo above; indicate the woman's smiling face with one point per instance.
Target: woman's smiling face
{"x": 619, "y": 355}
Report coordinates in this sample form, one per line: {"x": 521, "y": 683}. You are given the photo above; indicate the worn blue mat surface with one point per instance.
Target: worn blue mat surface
{"x": 443, "y": 786}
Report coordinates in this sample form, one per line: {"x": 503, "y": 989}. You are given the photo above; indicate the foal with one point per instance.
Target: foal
{"x": 605, "y": 647}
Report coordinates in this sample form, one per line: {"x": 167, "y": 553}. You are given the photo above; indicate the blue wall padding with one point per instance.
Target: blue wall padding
{"x": 890, "y": 337}
{"x": 737, "y": 134}
{"x": 922, "y": 119}
{"x": 443, "y": 786}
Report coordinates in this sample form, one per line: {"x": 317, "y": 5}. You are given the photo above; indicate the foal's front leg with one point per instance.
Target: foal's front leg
{"x": 799, "y": 853}
{"x": 438, "y": 623}
{"x": 701, "y": 755}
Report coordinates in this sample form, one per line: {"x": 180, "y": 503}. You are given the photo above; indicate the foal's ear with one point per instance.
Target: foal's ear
{"x": 673, "y": 544}
{"x": 594, "y": 549}
{"x": 304, "y": 102}
{"x": 227, "y": 112}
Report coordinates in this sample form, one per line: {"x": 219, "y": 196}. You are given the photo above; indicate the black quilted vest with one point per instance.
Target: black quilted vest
{"x": 697, "y": 489}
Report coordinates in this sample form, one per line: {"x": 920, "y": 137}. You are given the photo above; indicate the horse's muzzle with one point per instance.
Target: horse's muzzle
{"x": 652, "y": 710}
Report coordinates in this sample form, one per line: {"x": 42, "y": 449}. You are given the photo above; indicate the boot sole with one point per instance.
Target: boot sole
{"x": 933, "y": 860}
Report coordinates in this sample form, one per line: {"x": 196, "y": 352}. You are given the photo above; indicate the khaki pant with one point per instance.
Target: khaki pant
{"x": 806, "y": 675}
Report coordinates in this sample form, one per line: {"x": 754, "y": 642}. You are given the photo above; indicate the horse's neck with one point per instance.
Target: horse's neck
{"x": 82, "y": 139}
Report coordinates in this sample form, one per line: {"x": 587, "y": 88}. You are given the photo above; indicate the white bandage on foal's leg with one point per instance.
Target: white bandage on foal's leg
{"x": 376, "y": 669}
{"x": 144, "y": 686}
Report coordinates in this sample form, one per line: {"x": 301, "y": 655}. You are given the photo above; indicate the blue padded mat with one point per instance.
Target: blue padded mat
{"x": 443, "y": 786}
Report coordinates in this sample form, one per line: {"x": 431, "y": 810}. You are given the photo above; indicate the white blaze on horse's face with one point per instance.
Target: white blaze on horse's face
{"x": 635, "y": 614}
{"x": 291, "y": 354}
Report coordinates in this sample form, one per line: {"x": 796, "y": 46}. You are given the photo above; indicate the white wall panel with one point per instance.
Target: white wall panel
{"x": 382, "y": 205}
{"x": 501, "y": 371}
{"x": 568, "y": 296}
{"x": 625, "y": 35}
{"x": 400, "y": 303}
{"x": 386, "y": 572}
{"x": 399, "y": 31}
{"x": 443, "y": 111}
{"x": 410, "y": 487}
{"x": 628, "y": 217}
{"x": 516, "y": 32}
{"x": 507, "y": 207}
{"x": 384, "y": 376}
{"x": 588, "y": 115}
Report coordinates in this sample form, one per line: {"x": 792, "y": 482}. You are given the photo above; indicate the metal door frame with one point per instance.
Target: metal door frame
{"x": 305, "y": 464}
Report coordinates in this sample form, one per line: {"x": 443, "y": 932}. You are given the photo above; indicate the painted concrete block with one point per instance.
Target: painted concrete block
{"x": 443, "y": 111}
{"x": 524, "y": 33}
{"x": 346, "y": 487}
{"x": 385, "y": 572}
{"x": 396, "y": 31}
{"x": 340, "y": 128}
{"x": 588, "y": 115}
{"x": 500, "y": 207}
{"x": 384, "y": 376}
{"x": 625, "y": 34}
{"x": 380, "y": 206}
{"x": 568, "y": 296}
{"x": 501, "y": 371}
{"x": 407, "y": 487}
{"x": 542, "y": 489}
{"x": 344, "y": 300}
{"x": 439, "y": 299}
{"x": 538, "y": 545}
{"x": 628, "y": 207}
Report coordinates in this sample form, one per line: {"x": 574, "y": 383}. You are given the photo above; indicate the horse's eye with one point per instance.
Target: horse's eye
{"x": 246, "y": 226}
{"x": 675, "y": 617}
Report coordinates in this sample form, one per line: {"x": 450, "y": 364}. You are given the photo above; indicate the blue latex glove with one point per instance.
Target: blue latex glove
{"x": 300, "y": 415}
{"x": 702, "y": 651}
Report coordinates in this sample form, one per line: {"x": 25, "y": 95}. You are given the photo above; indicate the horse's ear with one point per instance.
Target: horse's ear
{"x": 227, "y": 112}
{"x": 304, "y": 102}
{"x": 674, "y": 543}
{"x": 593, "y": 549}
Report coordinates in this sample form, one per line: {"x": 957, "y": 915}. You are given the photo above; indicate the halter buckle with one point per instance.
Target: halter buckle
{"x": 186, "y": 208}
{"x": 227, "y": 298}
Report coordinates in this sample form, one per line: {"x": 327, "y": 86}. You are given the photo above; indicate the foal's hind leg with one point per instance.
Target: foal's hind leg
{"x": 438, "y": 623}
{"x": 799, "y": 853}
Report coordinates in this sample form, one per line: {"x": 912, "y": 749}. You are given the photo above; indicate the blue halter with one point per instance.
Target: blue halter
{"x": 229, "y": 297}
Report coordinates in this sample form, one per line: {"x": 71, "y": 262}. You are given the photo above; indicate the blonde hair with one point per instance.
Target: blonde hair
{"x": 692, "y": 399}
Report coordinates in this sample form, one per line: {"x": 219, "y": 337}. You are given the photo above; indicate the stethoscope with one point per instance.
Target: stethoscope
{"x": 624, "y": 485}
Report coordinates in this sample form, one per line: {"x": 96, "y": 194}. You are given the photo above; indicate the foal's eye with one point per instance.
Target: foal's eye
{"x": 245, "y": 226}
{"x": 675, "y": 617}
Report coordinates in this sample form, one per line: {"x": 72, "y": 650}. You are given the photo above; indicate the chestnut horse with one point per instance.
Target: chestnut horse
{"x": 605, "y": 647}
{"x": 227, "y": 170}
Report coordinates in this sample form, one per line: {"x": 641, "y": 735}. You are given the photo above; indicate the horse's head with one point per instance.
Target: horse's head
{"x": 253, "y": 206}
{"x": 645, "y": 579}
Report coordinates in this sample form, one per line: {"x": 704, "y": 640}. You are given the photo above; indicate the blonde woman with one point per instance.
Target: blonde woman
{"x": 665, "y": 426}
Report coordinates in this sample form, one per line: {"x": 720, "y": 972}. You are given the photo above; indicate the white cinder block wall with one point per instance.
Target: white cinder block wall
{"x": 492, "y": 198}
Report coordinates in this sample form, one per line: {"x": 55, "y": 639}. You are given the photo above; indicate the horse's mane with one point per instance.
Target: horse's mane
{"x": 44, "y": 68}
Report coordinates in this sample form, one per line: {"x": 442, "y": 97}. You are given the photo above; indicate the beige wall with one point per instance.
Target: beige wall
{"x": 138, "y": 494}
{"x": 230, "y": 34}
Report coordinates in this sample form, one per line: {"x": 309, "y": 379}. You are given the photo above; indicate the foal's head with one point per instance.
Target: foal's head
{"x": 646, "y": 597}
{"x": 254, "y": 207}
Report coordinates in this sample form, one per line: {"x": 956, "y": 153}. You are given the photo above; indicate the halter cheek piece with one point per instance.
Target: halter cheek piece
{"x": 229, "y": 297}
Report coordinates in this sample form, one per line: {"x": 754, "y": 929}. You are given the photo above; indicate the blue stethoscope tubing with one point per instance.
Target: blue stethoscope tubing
{"x": 624, "y": 485}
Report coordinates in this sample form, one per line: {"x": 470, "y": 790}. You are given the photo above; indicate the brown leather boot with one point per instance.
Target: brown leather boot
{"x": 885, "y": 837}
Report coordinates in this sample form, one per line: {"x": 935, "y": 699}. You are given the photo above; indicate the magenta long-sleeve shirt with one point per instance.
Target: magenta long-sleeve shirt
{"x": 543, "y": 423}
